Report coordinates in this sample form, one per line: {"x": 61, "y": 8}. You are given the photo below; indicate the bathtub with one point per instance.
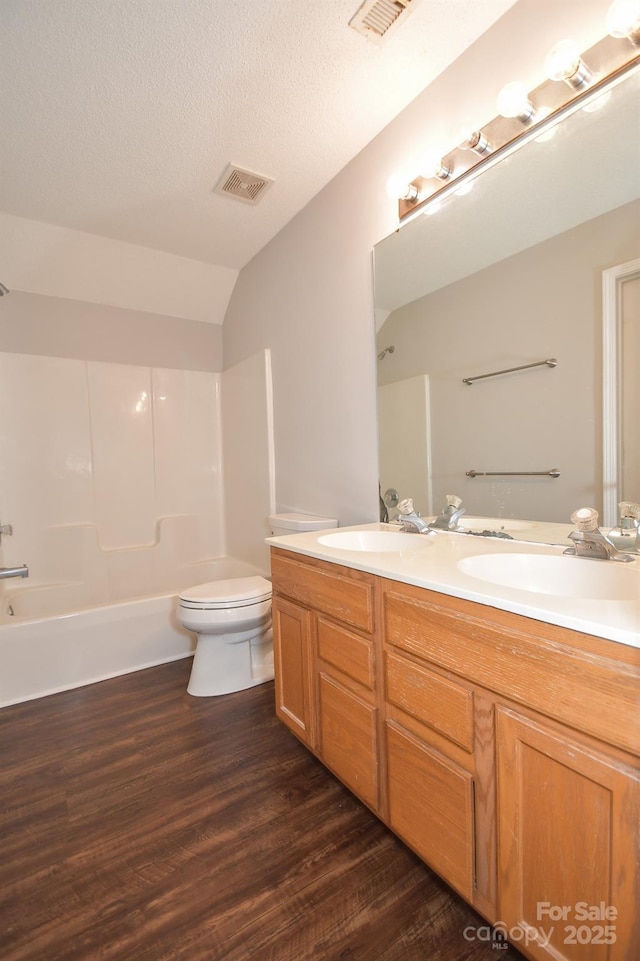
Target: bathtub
{"x": 44, "y": 653}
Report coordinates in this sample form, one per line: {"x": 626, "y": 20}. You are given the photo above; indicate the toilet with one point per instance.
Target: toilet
{"x": 232, "y": 619}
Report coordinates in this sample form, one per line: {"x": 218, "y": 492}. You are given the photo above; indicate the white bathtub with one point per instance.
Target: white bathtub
{"x": 41, "y": 655}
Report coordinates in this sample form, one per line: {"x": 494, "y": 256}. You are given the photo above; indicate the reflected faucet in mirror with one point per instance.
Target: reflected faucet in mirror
{"x": 626, "y": 536}
{"x": 447, "y": 519}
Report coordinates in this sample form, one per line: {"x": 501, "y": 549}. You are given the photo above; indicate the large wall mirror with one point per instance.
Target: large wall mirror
{"x": 511, "y": 275}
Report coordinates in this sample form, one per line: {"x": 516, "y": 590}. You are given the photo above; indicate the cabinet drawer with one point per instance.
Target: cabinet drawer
{"x": 348, "y": 739}
{"x": 431, "y": 807}
{"x": 341, "y": 592}
{"x": 349, "y": 653}
{"x": 589, "y": 683}
{"x": 441, "y": 704}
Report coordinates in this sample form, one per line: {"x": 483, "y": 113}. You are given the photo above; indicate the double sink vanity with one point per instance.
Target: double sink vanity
{"x": 482, "y": 697}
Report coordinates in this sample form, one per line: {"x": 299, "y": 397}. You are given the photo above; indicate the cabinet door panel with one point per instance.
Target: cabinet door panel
{"x": 567, "y": 841}
{"x": 292, "y": 656}
{"x": 431, "y": 807}
{"x": 348, "y": 741}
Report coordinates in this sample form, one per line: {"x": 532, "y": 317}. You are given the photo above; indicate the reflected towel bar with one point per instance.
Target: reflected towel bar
{"x": 554, "y": 472}
{"x": 550, "y": 362}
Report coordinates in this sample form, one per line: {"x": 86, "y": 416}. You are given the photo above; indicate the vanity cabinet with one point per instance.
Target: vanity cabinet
{"x": 440, "y": 747}
{"x": 429, "y": 733}
{"x": 325, "y": 656}
{"x": 292, "y": 654}
{"x": 568, "y": 841}
{"x": 502, "y": 750}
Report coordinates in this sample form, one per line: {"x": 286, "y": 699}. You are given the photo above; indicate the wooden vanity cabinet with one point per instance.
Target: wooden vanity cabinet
{"x": 503, "y": 750}
{"x": 439, "y": 738}
{"x": 293, "y": 653}
{"x": 568, "y": 841}
{"x": 554, "y": 769}
{"x": 324, "y": 652}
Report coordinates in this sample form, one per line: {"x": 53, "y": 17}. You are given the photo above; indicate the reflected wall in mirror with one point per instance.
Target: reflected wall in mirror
{"x": 506, "y": 276}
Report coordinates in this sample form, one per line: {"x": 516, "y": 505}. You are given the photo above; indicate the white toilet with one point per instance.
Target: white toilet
{"x": 232, "y": 619}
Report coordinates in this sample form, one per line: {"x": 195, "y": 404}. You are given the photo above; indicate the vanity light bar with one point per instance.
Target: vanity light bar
{"x": 609, "y": 61}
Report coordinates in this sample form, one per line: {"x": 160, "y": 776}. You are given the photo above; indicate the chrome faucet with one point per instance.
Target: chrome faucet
{"x": 589, "y": 540}
{"x": 626, "y": 536}
{"x": 447, "y": 519}
{"x": 14, "y": 571}
{"x": 409, "y": 520}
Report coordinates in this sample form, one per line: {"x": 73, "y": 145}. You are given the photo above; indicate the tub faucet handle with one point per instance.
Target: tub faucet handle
{"x": 6, "y": 529}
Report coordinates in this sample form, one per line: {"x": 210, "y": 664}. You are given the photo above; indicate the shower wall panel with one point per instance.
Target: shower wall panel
{"x": 110, "y": 474}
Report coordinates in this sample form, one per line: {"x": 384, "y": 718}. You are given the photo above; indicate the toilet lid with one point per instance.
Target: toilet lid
{"x": 235, "y": 592}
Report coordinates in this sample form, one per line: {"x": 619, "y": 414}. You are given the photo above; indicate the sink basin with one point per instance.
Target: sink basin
{"x": 492, "y": 524}
{"x": 375, "y": 541}
{"x": 560, "y": 576}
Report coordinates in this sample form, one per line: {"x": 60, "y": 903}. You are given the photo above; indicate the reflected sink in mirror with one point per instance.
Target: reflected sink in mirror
{"x": 492, "y": 524}
{"x": 375, "y": 541}
{"x": 559, "y": 576}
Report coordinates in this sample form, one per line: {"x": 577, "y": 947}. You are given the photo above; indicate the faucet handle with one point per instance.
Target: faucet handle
{"x": 453, "y": 501}
{"x": 629, "y": 509}
{"x": 585, "y": 519}
{"x": 405, "y": 506}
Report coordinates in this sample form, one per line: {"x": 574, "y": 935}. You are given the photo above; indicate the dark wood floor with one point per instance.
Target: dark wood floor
{"x": 138, "y": 823}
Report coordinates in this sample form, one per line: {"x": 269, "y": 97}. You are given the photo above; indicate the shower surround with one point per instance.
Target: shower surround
{"x": 111, "y": 477}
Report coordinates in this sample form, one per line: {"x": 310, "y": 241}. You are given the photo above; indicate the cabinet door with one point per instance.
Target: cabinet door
{"x": 348, "y": 741}
{"x": 567, "y": 844}
{"x": 292, "y": 657}
{"x": 431, "y": 807}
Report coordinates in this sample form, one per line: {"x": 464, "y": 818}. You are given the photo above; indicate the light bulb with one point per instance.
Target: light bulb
{"x": 565, "y": 63}
{"x": 623, "y": 20}
{"x": 399, "y": 187}
{"x": 432, "y": 165}
{"x": 513, "y": 101}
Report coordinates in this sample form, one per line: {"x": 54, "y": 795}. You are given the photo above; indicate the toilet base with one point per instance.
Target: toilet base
{"x": 221, "y": 666}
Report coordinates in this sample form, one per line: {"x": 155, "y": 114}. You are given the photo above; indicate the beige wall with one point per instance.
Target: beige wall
{"x": 309, "y": 294}
{"x": 59, "y": 327}
{"x": 41, "y": 258}
{"x": 81, "y": 296}
{"x": 543, "y": 302}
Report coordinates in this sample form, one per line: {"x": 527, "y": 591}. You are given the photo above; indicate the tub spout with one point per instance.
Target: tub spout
{"x": 14, "y": 571}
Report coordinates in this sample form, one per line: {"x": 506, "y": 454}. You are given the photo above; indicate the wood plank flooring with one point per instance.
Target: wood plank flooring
{"x": 138, "y": 823}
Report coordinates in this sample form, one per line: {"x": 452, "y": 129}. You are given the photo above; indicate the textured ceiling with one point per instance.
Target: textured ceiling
{"x": 120, "y": 116}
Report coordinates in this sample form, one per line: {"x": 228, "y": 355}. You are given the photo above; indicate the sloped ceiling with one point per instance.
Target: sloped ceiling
{"x": 120, "y": 116}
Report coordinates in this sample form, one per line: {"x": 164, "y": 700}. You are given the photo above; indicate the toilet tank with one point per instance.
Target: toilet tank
{"x": 282, "y": 524}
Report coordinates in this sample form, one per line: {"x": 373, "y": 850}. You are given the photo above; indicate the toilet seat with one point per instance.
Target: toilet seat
{"x": 224, "y": 595}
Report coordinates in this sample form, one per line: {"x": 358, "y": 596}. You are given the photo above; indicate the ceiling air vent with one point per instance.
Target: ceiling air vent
{"x": 242, "y": 184}
{"x": 377, "y": 19}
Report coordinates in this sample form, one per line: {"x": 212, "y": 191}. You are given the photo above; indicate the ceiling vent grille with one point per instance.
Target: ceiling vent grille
{"x": 243, "y": 184}
{"x": 377, "y": 19}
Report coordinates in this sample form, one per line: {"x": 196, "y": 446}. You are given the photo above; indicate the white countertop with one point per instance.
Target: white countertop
{"x": 431, "y": 561}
